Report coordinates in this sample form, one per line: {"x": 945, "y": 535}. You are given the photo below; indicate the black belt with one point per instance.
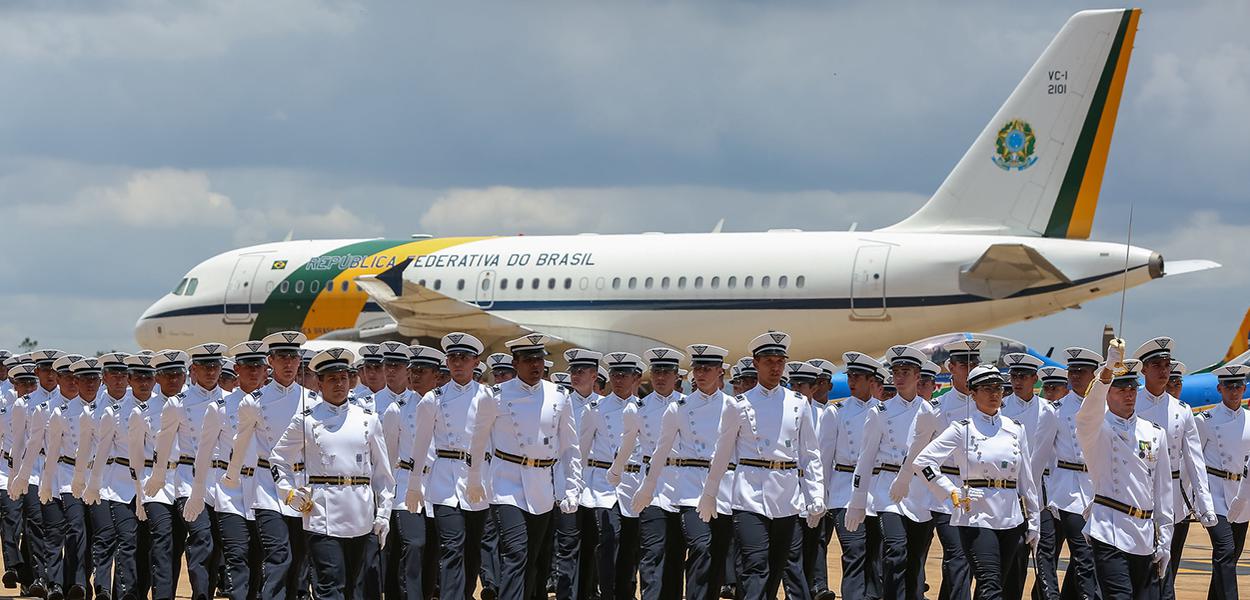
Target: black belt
{"x": 407, "y": 464}
{"x": 67, "y": 460}
{"x": 525, "y": 461}
{"x": 702, "y": 463}
{"x": 949, "y": 470}
{"x": 886, "y": 467}
{"x": 1229, "y": 475}
{"x": 337, "y": 480}
{"x": 840, "y": 468}
{"x": 598, "y": 464}
{"x": 1046, "y": 472}
{"x": 220, "y": 464}
{"x": 125, "y": 462}
{"x": 1002, "y": 484}
{"x": 1131, "y": 511}
{"x": 1073, "y": 466}
{"x": 1176, "y": 474}
{"x": 262, "y": 463}
{"x": 186, "y": 460}
{"x": 454, "y": 455}
{"x": 776, "y": 465}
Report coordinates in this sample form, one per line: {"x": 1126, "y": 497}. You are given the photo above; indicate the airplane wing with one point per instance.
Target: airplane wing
{"x": 419, "y": 311}
{"x": 1005, "y": 269}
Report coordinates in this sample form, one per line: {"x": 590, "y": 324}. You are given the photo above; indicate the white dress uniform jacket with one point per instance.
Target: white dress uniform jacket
{"x": 953, "y": 406}
{"x": 891, "y": 429}
{"x": 141, "y": 434}
{"x": 842, "y": 435}
{"x": 1040, "y": 425}
{"x": 36, "y": 443}
{"x": 382, "y": 400}
{"x": 1225, "y": 437}
{"x": 442, "y": 420}
{"x": 599, "y": 438}
{"x": 1069, "y": 487}
{"x": 212, "y": 458}
{"x": 7, "y": 398}
{"x": 1128, "y": 463}
{"x": 641, "y": 422}
{"x": 263, "y": 416}
{"x": 89, "y": 437}
{"x": 533, "y": 422}
{"x": 110, "y": 465}
{"x": 1192, "y": 494}
{"x": 679, "y": 468}
{"x": 179, "y": 436}
{"x": 343, "y": 443}
{"x": 63, "y": 440}
{"x": 993, "y": 450}
{"x": 775, "y": 426}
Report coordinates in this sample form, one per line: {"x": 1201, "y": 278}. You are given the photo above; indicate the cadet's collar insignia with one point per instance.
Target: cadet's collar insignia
{"x": 438, "y": 391}
{"x": 221, "y": 401}
{"x": 495, "y": 388}
{"x": 368, "y": 411}
{"x": 257, "y": 393}
{"x": 881, "y": 407}
{"x": 142, "y": 405}
{"x": 181, "y": 395}
{"x": 307, "y": 412}
{"x": 777, "y": 337}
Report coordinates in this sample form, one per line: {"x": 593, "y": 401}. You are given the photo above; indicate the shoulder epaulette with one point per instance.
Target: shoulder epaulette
{"x": 1156, "y": 425}
{"x": 368, "y": 411}
{"x": 1018, "y": 423}
{"x": 1206, "y": 414}
{"x": 935, "y": 403}
{"x": 43, "y": 404}
{"x": 964, "y": 421}
{"x": 307, "y": 412}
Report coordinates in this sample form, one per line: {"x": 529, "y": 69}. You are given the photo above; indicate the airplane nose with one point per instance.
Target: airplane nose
{"x": 148, "y": 333}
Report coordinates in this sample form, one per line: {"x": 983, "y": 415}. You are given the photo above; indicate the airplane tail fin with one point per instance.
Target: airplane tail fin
{"x": 1037, "y": 167}
{"x": 1241, "y": 343}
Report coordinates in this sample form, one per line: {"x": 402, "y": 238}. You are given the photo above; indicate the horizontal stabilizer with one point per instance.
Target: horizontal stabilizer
{"x": 1180, "y": 267}
{"x": 1005, "y": 269}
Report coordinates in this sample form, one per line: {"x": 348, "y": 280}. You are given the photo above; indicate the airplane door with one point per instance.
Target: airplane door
{"x": 868, "y": 282}
{"x": 240, "y": 292}
{"x": 485, "y": 296}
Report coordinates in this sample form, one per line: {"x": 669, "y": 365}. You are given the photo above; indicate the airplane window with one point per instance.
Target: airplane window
{"x": 421, "y": 283}
{"x": 664, "y": 283}
{"x": 799, "y": 281}
{"x": 599, "y": 283}
{"x": 285, "y": 287}
{"x": 329, "y": 286}
{"x": 633, "y": 282}
{"x": 698, "y": 282}
{"x": 551, "y": 283}
{"x": 345, "y": 286}
{"x": 268, "y": 286}
{"x": 503, "y": 284}
{"x": 715, "y": 283}
{"x": 585, "y": 283}
{"x": 568, "y": 283}
{"x": 748, "y": 282}
{"x": 314, "y": 287}
{"x": 299, "y": 287}
{"x": 781, "y": 282}
{"x": 732, "y": 282}
{"x": 193, "y": 283}
{"x": 460, "y": 284}
{"x": 520, "y": 283}
{"x": 616, "y": 283}
{"x": 535, "y": 283}
{"x": 485, "y": 283}
{"x": 358, "y": 289}
{"x": 650, "y": 280}
{"x": 764, "y": 282}
{"x": 438, "y": 283}
{"x": 182, "y": 285}
{"x": 681, "y": 283}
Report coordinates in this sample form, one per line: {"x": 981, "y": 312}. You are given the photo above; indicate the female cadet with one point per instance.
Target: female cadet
{"x": 997, "y": 506}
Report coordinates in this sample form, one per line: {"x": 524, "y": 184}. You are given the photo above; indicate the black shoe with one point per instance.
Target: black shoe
{"x": 10, "y": 579}
{"x": 489, "y": 594}
{"x": 37, "y": 589}
{"x": 728, "y": 592}
{"x": 55, "y": 593}
{"x": 825, "y": 595}
{"x": 77, "y": 592}
{"x": 103, "y": 595}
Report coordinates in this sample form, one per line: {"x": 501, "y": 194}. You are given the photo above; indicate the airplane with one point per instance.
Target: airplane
{"x": 1003, "y": 239}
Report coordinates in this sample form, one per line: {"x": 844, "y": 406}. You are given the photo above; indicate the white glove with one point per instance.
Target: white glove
{"x": 1160, "y": 562}
{"x": 815, "y": 513}
{"x": 854, "y": 518}
{"x": 1031, "y": 537}
{"x": 901, "y": 485}
{"x": 45, "y": 493}
{"x": 381, "y": 527}
{"x": 568, "y": 505}
{"x": 475, "y": 492}
{"x": 230, "y": 481}
{"x": 1209, "y": 520}
{"x": 152, "y": 486}
{"x": 91, "y": 496}
{"x": 614, "y": 477}
{"x": 194, "y": 506}
{"x": 300, "y": 499}
{"x": 1237, "y": 506}
{"x": 1115, "y": 353}
{"x": 415, "y": 498}
{"x": 707, "y": 508}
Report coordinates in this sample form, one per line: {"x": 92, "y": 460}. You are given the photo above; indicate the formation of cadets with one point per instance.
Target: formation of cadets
{"x": 275, "y": 473}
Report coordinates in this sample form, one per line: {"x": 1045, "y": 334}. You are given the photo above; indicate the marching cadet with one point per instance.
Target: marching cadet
{"x": 1225, "y": 433}
{"x": 562, "y": 379}
{"x": 997, "y": 511}
{"x": 1176, "y": 379}
{"x": 842, "y": 443}
{"x": 1054, "y": 383}
{"x": 400, "y": 425}
{"x": 33, "y": 468}
{"x": 306, "y": 377}
{"x": 395, "y": 361}
{"x": 231, "y": 506}
{"x": 777, "y": 477}
{"x": 441, "y": 423}
{"x": 601, "y": 381}
{"x": 423, "y": 369}
{"x": 896, "y": 428}
{"x": 888, "y": 389}
{"x": 346, "y": 500}
{"x": 24, "y": 381}
{"x": 1041, "y": 428}
{"x": 1069, "y": 489}
{"x": 1130, "y": 520}
{"x": 396, "y": 358}
{"x": 573, "y": 568}
{"x": 372, "y": 377}
{"x": 616, "y": 546}
{"x": 641, "y": 423}
{"x": 535, "y": 464}
{"x": 109, "y": 484}
{"x": 479, "y": 371}
{"x": 444, "y": 374}
{"x": 65, "y": 435}
{"x": 262, "y": 416}
{"x": 501, "y": 368}
{"x": 928, "y": 380}
{"x": 819, "y": 573}
{"x": 1191, "y": 496}
{"x": 679, "y": 468}
{"x": 157, "y": 508}
{"x": 547, "y": 369}
{"x": 229, "y": 379}
{"x": 102, "y": 533}
{"x": 803, "y": 381}
{"x": 748, "y": 377}
{"x": 176, "y": 447}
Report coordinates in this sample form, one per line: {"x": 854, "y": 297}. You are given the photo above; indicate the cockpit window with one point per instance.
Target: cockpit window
{"x": 192, "y": 283}
{"x": 182, "y": 285}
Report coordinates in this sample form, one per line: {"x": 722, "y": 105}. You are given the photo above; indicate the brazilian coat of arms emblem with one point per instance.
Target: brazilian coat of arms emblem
{"x": 1015, "y": 145}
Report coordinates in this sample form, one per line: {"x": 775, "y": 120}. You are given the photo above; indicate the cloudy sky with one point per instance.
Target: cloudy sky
{"x": 139, "y": 138}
